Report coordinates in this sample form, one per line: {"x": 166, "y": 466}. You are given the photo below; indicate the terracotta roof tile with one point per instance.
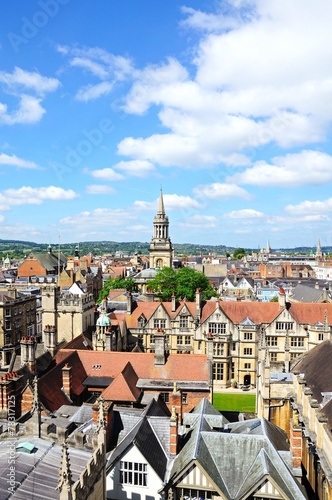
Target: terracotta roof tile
{"x": 259, "y": 312}
{"x": 123, "y": 387}
{"x": 311, "y": 313}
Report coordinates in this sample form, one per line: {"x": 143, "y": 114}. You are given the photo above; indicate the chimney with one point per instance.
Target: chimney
{"x": 129, "y": 304}
{"x": 173, "y": 302}
{"x": 198, "y": 302}
{"x": 67, "y": 380}
{"x": 173, "y": 433}
{"x": 295, "y": 440}
{"x": 159, "y": 352}
{"x": 282, "y": 298}
{"x": 24, "y": 351}
{"x": 31, "y": 354}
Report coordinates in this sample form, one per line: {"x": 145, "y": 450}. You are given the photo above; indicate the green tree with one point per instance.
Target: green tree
{"x": 181, "y": 283}
{"x": 116, "y": 283}
{"x": 164, "y": 284}
{"x": 239, "y": 253}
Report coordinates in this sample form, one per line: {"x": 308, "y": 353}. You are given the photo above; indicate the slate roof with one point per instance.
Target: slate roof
{"x": 37, "y": 473}
{"x": 317, "y": 371}
{"x": 237, "y": 461}
{"x": 306, "y": 293}
{"x": 149, "y": 433}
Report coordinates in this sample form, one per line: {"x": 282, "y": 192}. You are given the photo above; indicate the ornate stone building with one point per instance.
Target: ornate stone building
{"x": 161, "y": 250}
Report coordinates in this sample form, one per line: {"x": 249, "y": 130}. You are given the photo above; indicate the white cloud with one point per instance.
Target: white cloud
{"x": 92, "y": 92}
{"x": 27, "y": 195}
{"x": 136, "y": 168}
{"x": 29, "y": 80}
{"x": 247, "y": 213}
{"x": 298, "y": 169}
{"x": 310, "y": 208}
{"x": 102, "y": 65}
{"x": 281, "y": 94}
{"x": 15, "y": 161}
{"x": 99, "y": 189}
{"x": 107, "y": 174}
{"x": 221, "y": 191}
{"x": 200, "y": 221}
{"x": 171, "y": 201}
{"x": 29, "y": 111}
{"x": 20, "y": 83}
{"x": 102, "y": 217}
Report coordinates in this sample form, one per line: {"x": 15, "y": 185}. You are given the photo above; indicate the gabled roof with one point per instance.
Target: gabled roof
{"x": 144, "y": 437}
{"x": 236, "y": 462}
{"x": 123, "y": 387}
{"x": 258, "y": 312}
{"x": 50, "y": 385}
{"x": 311, "y": 313}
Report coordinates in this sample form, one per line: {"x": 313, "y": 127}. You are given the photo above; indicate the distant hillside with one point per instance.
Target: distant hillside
{"x": 19, "y": 248}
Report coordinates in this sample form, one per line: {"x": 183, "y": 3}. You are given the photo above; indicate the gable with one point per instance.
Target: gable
{"x": 195, "y": 476}
{"x": 267, "y": 489}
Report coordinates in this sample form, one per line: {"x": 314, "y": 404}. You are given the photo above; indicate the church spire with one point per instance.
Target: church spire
{"x": 161, "y": 250}
{"x": 319, "y": 252}
{"x": 161, "y": 208}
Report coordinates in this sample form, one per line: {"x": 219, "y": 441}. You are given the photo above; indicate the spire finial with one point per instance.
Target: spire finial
{"x": 65, "y": 477}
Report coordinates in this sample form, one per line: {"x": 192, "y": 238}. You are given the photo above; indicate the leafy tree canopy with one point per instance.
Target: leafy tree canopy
{"x": 181, "y": 283}
{"x": 115, "y": 283}
{"x": 239, "y": 253}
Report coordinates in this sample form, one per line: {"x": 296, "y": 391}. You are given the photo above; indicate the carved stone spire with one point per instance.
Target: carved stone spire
{"x": 65, "y": 477}
{"x": 161, "y": 250}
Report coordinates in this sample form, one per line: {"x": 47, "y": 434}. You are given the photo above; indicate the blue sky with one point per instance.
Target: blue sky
{"x": 226, "y": 105}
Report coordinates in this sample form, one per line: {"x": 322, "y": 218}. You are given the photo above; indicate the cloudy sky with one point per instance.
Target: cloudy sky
{"x": 225, "y": 104}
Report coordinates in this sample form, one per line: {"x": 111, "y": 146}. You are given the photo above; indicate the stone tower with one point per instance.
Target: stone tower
{"x": 161, "y": 250}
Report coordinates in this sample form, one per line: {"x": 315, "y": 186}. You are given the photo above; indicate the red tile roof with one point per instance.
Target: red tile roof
{"x": 258, "y": 312}
{"x": 311, "y": 313}
{"x": 123, "y": 387}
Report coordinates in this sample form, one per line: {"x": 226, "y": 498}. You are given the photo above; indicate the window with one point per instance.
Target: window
{"x": 321, "y": 336}
{"x": 199, "y": 345}
{"x": 7, "y": 312}
{"x": 247, "y": 351}
{"x": 218, "y": 349}
{"x": 165, "y": 396}
{"x": 167, "y": 339}
{"x": 234, "y": 346}
{"x": 284, "y": 325}
{"x": 233, "y": 369}
{"x": 184, "y": 322}
{"x": 133, "y": 473}
{"x": 247, "y": 366}
{"x": 184, "y": 398}
{"x": 217, "y": 328}
{"x": 273, "y": 357}
{"x": 191, "y": 494}
{"x": 159, "y": 323}
{"x": 247, "y": 336}
{"x": 218, "y": 371}
{"x": 180, "y": 340}
{"x": 187, "y": 339}
{"x": 141, "y": 322}
{"x": 272, "y": 341}
{"x": 152, "y": 340}
{"x": 297, "y": 342}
